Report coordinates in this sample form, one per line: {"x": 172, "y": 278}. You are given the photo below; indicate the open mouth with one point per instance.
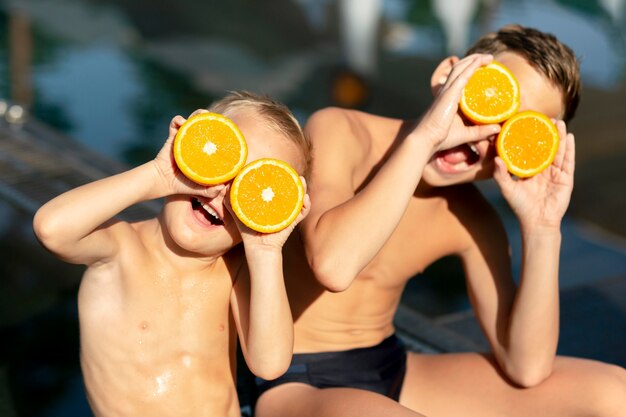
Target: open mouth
{"x": 207, "y": 212}
{"x": 459, "y": 158}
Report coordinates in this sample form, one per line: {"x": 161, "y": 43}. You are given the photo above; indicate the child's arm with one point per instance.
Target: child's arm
{"x": 522, "y": 324}
{"x": 336, "y": 247}
{"x": 78, "y": 225}
{"x": 539, "y": 203}
{"x": 259, "y": 301}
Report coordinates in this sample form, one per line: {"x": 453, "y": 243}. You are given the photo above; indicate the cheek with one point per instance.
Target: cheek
{"x": 429, "y": 175}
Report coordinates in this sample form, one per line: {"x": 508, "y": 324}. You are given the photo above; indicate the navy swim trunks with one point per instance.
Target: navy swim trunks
{"x": 379, "y": 368}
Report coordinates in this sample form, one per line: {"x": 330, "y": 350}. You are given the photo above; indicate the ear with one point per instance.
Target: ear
{"x": 440, "y": 75}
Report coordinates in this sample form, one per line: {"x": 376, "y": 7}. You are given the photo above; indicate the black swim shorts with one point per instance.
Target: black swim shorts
{"x": 380, "y": 369}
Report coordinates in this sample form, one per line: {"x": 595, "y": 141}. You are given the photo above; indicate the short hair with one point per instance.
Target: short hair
{"x": 275, "y": 115}
{"x": 544, "y": 52}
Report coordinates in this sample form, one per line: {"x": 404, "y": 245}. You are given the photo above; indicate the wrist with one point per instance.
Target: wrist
{"x": 541, "y": 231}
{"x": 422, "y": 143}
{"x": 158, "y": 182}
{"x": 262, "y": 250}
{"x": 261, "y": 257}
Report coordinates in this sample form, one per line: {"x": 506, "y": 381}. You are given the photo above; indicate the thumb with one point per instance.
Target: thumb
{"x": 501, "y": 174}
{"x": 213, "y": 191}
{"x": 175, "y": 124}
{"x": 481, "y": 132}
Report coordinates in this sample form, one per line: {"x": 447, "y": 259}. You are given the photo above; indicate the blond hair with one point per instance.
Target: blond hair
{"x": 275, "y": 115}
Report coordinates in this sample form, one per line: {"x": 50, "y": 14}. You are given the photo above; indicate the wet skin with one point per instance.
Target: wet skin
{"x": 163, "y": 301}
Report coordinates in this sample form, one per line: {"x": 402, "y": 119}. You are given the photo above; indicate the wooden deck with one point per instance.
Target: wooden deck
{"x": 37, "y": 163}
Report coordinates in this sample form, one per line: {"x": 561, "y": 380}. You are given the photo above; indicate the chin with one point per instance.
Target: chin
{"x": 434, "y": 178}
{"x": 214, "y": 245}
{"x": 213, "y": 241}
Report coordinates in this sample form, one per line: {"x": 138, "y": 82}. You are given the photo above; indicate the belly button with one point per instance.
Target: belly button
{"x": 143, "y": 325}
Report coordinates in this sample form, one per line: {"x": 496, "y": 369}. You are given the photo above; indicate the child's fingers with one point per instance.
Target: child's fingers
{"x": 569, "y": 158}
{"x": 215, "y": 190}
{"x": 451, "y": 92}
{"x": 306, "y": 204}
{"x": 501, "y": 175}
{"x": 225, "y": 190}
{"x": 175, "y": 124}
{"x": 560, "y": 153}
{"x": 242, "y": 227}
{"x": 462, "y": 65}
{"x": 306, "y": 207}
{"x": 481, "y": 132}
{"x": 462, "y": 72}
{"x": 198, "y": 111}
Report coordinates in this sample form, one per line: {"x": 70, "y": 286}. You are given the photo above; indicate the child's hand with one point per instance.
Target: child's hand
{"x": 541, "y": 200}
{"x": 442, "y": 123}
{"x": 276, "y": 240}
{"x": 171, "y": 179}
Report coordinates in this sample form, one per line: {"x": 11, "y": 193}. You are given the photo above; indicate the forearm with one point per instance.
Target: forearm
{"x": 534, "y": 320}
{"x": 76, "y": 213}
{"x": 269, "y": 337}
{"x": 347, "y": 237}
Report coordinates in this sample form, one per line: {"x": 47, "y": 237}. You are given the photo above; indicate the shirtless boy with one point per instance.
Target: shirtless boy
{"x": 392, "y": 196}
{"x": 162, "y": 301}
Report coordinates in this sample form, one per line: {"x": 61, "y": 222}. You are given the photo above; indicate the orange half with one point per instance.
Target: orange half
{"x": 491, "y": 95}
{"x": 210, "y": 149}
{"x": 267, "y": 195}
{"x": 527, "y": 143}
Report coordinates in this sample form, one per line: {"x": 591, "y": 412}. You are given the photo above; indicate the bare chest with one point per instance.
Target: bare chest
{"x": 425, "y": 234}
{"x": 155, "y": 304}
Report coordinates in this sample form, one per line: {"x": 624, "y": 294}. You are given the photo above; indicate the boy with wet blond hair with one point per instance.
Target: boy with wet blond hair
{"x": 393, "y": 196}
{"x": 163, "y": 301}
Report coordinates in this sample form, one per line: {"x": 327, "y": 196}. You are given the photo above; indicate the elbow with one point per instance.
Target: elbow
{"x": 529, "y": 375}
{"x": 52, "y": 233}
{"x": 43, "y": 227}
{"x": 330, "y": 274}
{"x": 269, "y": 370}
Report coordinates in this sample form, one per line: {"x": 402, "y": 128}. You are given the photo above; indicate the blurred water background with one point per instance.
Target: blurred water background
{"x": 111, "y": 74}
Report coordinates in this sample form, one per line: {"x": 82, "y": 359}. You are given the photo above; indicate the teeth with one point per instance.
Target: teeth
{"x": 474, "y": 149}
{"x": 209, "y": 210}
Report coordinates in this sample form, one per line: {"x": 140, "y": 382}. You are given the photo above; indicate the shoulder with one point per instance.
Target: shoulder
{"x": 341, "y": 132}
{"x": 336, "y": 122}
{"x": 320, "y": 118}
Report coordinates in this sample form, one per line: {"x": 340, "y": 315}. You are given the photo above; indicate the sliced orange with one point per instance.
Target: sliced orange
{"x": 527, "y": 143}
{"x": 267, "y": 195}
{"x": 491, "y": 95}
{"x": 210, "y": 149}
